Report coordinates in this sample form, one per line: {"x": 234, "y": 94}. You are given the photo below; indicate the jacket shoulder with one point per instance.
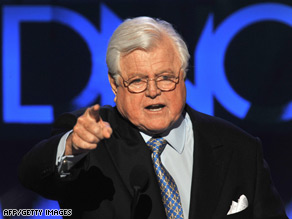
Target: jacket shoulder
{"x": 224, "y": 130}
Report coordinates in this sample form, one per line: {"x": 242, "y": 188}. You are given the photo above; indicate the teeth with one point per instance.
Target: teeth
{"x": 156, "y": 107}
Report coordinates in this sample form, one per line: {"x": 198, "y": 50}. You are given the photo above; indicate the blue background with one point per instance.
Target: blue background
{"x": 53, "y": 60}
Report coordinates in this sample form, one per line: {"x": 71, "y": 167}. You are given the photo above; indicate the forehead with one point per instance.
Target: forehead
{"x": 163, "y": 57}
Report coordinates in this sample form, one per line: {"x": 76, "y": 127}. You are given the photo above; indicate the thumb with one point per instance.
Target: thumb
{"x": 107, "y": 130}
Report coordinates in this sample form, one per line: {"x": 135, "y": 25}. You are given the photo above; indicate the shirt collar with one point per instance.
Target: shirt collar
{"x": 174, "y": 136}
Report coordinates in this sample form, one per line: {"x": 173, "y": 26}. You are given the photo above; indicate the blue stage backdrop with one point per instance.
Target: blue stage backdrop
{"x": 53, "y": 60}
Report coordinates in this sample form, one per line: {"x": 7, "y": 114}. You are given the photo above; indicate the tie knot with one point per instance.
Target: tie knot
{"x": 157, "y": 145}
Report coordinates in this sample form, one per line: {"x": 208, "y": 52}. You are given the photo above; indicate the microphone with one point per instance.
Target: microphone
{"x": 139, "y": 182}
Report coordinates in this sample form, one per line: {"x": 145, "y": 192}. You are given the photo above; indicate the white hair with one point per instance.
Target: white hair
{"x": 142, "y": 33}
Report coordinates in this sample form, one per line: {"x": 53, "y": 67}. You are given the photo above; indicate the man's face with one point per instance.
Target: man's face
{"x": 151, "y": 111}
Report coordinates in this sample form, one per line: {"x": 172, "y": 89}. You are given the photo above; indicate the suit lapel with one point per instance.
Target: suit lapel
{"x": 211, "y": 161}
{"x": 128, "y": 150}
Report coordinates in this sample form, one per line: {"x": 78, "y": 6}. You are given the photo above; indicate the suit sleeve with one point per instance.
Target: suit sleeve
{"x": 268, "y": 203}
{"x": 38, "y": 171}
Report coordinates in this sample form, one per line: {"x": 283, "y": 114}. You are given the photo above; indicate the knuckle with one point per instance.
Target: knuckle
{"x": 80, "y": 120}
{"x": 92, "y": 139}
{"x": 96, "y": 130}
{"x": 75, "y": 129}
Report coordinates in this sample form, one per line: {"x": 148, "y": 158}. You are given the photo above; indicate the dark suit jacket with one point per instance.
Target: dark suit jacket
{"x": 227, "y": 163}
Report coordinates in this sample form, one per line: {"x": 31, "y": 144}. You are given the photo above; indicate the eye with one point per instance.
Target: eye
{"x": 166, "y": 77}
{"x": 136, "y": 81}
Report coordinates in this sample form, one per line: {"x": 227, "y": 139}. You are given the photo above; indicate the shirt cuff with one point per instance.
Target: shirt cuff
{"x": 62, "y": 147}
{"x": 65, "y": 163}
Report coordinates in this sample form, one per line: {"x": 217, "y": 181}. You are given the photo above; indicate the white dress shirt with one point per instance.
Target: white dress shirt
{"x": 177, "y": 158}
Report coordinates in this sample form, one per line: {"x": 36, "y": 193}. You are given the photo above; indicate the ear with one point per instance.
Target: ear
{"x": 113, "y": 84}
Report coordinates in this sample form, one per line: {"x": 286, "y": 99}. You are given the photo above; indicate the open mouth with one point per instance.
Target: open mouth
{"x": 155, "y": 107}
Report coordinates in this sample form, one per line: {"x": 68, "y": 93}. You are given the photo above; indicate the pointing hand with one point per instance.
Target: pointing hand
{"x": 89, "y": 130}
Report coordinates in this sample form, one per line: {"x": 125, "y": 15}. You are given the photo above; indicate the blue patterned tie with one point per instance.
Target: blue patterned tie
{"x": 168, "y": 188}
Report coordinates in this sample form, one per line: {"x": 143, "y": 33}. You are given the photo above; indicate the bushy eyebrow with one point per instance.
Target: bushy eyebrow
{"x": 141, "y": 75}
{"x": 165, "y": 71}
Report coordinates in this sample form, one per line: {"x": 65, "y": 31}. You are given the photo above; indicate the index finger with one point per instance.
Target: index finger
{"x": 94, "y": 112}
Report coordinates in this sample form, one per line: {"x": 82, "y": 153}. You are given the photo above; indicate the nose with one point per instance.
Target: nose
{"x": 152, "y": 90}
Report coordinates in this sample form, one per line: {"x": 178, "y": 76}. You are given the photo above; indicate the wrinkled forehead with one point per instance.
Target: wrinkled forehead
{"x": 163, "y": 57}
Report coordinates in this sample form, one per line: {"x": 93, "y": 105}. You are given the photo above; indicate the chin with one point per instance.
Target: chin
{"x": 155, "y": 129}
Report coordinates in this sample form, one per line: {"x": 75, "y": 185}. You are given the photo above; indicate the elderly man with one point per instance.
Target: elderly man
{"x": 151, "y": 156}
